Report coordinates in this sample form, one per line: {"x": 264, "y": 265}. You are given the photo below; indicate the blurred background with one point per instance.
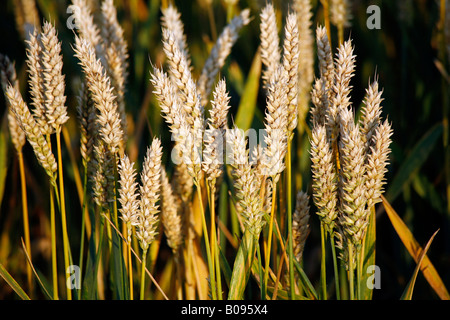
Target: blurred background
{"x": 408, "y": 53}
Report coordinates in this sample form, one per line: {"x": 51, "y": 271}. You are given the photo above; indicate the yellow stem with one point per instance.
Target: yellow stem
{"x": 326, "y": 16}
{"x": 53, "y": 244}
{"x": 130, "y": 264}
{"x": 63, "y": 210}
{"x": 269, "y": 236}
{"x": 26, "y": 227}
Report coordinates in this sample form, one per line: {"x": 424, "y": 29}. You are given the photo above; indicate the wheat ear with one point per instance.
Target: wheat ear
{"x": 128, "y": 195}
{"x": 87, "y": 29}
{"x": 303, "y": 10}
{"x": 377, "y": 160}
{"x": 182, "y": 77}
{"x": 340, "y": 16}
{"x": 214, "y": 136}
{"x": 270, "y": 42}
{"x": 36, "y": 81}
{"x": 116, "y": 55}
{"x": 171, "y": 109}
{"x": 245, "y": 182}
{"x": 300, "y": 226}
{"x": 354, "y": 216}
{"x": 173, "y": 228}
{"x": 8, "y": 77}
{"x": 325, "y": 56}
{"x": 371, "y": 113}
{"x": 275, "y": 125}
{"x": 101, "y": 94}
{"x": 54, "y": 84}
{"x": 219, "y": 53}
{"x": 33, "y": 133}
{"x": 171, "y": 20}
{"x": 291, "y": 68}
{"x": 86, "y": 116}
{"x": 324, "y": 177}
{"x": 344, "y": 69}
{"x": 149, "y": 195}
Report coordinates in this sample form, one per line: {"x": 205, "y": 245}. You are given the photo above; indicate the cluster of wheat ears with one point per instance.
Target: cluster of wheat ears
{"x": 126, "y": 207}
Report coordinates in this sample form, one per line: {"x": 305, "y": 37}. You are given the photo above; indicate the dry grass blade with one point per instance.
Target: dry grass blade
{"x": 415, "y": 250}
{"x": 407, "y": 294}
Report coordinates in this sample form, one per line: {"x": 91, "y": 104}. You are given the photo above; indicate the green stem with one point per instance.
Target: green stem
{"x": 119, "y": 265}
{"x": 99, "y": 248}
{"x": 261, "y": 275}
{"x": 207, "y": 246}
{"x": 144, "y": 262}
{"x": 215, "y": 245}
{"x": 351, "y": 271}
{"x": 323, "y": 271}
{"x": 335, "y": 266}
{"x": 358, "y": 273}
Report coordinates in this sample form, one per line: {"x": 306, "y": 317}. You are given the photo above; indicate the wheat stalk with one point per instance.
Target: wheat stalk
{"x": 340, "y": 16}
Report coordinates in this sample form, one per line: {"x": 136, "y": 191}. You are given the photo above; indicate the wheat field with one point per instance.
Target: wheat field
{"x": 224, "y": 150}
